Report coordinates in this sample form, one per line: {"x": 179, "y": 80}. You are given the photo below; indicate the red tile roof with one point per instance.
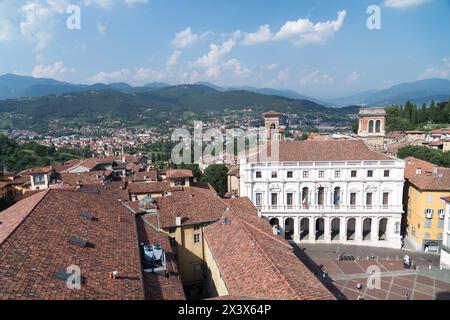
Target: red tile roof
{"x": 39, "y": 248}
{"x": 35, "y": 247}
{"x": 195, "y": 205}
{"x": 254, "y": 262}
{"x": 74, "y": 179}
{"x": 12, "y": 217}
{"x": 148, "y": 187}
{"x": 179, "y": 173}
{"x": 430, "y": 177}
{"x": 42, "y": 170}
{"x": 234, "y": 171}
{"x": 151, "y": 175}
{"x": 158, "y": 287}
{"x": 325, "y": 150}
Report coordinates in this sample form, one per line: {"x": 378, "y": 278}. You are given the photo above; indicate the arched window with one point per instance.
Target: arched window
{"x": 378, "y": 126}
{"x": 371, "y": 126}
{"x": 273, "y": 126}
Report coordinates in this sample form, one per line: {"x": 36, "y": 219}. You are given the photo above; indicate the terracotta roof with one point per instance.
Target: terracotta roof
{"x": 271, "y": 114}
{"x": 91, "y": 163}
{"x": 158, "y": 287}
{"x": 42, "y": 170}
{"x": 325, "y": 150}
{"x": 13, "y": 216}
{"x": 254, "y": 262}
{"x": 179, "y": 173}
{"x": 195, "y": 206}
{"x": 234, "y": 171}
{"x": 74, "y": 179}
{"x": 148, "y": 187}
{"x": 430, "y": 177}
{"x": 151, "y": 175}
{"x": 39, "y": 248}
{"x": 447, "y": 199}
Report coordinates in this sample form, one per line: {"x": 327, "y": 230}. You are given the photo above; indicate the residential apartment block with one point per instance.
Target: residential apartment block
{"x": 445, "y": 252}
{"x": 426, "y": 185}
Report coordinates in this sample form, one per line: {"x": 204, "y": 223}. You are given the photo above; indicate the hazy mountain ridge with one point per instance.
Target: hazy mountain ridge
{"x": 418, "y": 92}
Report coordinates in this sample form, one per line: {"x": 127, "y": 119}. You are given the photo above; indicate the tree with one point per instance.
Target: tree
{"x": 216, "y": 175}
{"x": 303, "y": 137}
{"x": 431, "y": 155}
{"x": 6, "y": 202}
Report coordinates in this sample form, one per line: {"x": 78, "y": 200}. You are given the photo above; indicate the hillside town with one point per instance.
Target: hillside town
{"x": 305, "y": 227}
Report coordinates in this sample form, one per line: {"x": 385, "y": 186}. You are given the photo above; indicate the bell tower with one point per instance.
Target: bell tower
{"x": 272, "y": 126}
{"x": 371, "y": 127}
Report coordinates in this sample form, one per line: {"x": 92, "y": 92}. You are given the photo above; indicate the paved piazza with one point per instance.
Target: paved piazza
{"x": 343, "y": 277}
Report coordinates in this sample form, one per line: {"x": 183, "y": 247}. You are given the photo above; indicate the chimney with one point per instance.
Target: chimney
{"x": 435, "y": 171}
{"x": 178, "y": 221}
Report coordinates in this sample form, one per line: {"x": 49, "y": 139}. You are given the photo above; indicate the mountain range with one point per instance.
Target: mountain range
{"x": 423, "y": 91}
{"x": 158, "y": 107}
{"x": 418, "y": 92}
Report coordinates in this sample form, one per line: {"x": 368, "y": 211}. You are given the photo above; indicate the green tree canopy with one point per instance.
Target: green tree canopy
{"x": 216, "y": 175}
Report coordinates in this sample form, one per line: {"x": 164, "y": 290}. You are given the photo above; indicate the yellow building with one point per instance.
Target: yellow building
{"x": 426, "y": 185}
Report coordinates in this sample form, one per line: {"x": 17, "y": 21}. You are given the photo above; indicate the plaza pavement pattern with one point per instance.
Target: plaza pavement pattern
{"x": 397, "y": 283}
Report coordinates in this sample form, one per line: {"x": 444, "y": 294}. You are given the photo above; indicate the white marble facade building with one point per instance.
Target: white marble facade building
{"x": 328, "y": 191}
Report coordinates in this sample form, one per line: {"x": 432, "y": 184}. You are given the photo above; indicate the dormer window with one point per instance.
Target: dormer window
{"x": 39, "y": 180}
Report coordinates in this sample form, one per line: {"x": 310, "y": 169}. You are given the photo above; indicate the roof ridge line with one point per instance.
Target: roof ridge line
{"x": 265, "y": 234}
{"x": 260, "y": 247}
{"x": 26, "y": 216}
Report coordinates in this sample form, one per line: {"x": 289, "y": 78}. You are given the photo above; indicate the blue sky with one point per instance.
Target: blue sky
{"x": 317, "y": 47}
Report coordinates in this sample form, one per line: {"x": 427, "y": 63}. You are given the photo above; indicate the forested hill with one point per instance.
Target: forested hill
{"x": 150, "y": 106}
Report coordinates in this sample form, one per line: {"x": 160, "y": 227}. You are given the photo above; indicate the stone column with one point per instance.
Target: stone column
{"x": 374, "y": 229}
{"x": 296, "y": 236}
{"x": 343, "y": 229}
{"x": 327, "y": 229}
{"x": 312, "y": 229}
{"x": 358, "y": 229}
{"x": 282, "y": 222}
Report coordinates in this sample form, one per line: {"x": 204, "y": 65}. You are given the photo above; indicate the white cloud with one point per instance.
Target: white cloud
{"x": 316, "y": 78}
{"x": 107, "y": 77}
{"x": 272, "y": 66}
{"x": 215, "y": 62}
{"x": 282, "y": 78}
{"x": 102, "y": 28}
{"x": 6, "y": 30}
{"x": 132, "y": 3}
{"x": 187, "y": 38}
{"x": 104, "y": 4}
{"x": 354, "y": 76}
{"x": 216, "y": 53}
{"x": 404, "y": 4}
{"x": 440, "y": 72}
{"x": 38, "y": 20}
{"x": 173, "y": 59}
{"x": 262, "y": 35}
{"x": 299, "y": 32}
{"x": 446, "y": 62}
{"x": 39, "y": 17}
{"x": 136, "y": 76}
{"x": 55, "y": 71}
